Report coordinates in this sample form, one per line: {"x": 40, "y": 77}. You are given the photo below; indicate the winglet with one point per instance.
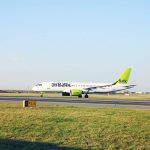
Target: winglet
{"x": 123, "y": 79}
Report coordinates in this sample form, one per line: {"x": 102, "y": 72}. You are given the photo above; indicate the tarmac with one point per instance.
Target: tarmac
{"x": 136, "y": 104}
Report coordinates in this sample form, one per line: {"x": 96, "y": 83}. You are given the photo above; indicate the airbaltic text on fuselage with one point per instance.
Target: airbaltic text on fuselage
{"x": 61, "y": 84}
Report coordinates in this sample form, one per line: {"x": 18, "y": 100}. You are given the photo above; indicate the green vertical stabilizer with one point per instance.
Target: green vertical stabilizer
{"x": 123, "y": 79}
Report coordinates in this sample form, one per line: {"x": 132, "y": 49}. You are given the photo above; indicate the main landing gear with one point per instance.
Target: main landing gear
{"x": 86, "y": 96}
{"x": 80, "y": 96}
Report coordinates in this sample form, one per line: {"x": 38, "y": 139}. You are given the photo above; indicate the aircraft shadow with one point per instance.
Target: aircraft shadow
{"x": 12, "y": 144}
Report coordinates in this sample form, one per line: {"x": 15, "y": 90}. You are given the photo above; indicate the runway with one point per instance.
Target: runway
{"x": 77, "y": 101}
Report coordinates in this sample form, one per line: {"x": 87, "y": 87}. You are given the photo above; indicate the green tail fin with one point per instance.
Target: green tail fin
{"x": 123, "y": 79}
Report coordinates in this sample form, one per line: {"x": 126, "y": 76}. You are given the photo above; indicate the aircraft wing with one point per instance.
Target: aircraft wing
{"x": 96, "y": 87}
{"x": 105, "y": 86}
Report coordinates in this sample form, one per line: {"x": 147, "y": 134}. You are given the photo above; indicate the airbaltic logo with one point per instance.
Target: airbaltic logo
{"x": 61, "y": 84}
{"x": 122, "y": 81}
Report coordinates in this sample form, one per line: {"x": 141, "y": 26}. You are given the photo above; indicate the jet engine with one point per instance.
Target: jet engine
{"x": 76, "y": 92}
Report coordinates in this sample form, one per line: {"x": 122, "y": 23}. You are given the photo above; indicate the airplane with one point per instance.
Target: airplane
{"x": 78, "y": 89}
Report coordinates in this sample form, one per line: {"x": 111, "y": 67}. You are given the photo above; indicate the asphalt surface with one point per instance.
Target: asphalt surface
{"x": 80, "y": 101}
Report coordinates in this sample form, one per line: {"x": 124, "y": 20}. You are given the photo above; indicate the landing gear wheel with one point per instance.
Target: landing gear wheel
{"x": 86, "y": 96}
{"x": 41, "y": 95}
{"x": 80, "y": 96}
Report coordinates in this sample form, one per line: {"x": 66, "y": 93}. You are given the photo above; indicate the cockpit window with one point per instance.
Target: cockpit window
{"x": 39, "y": 85}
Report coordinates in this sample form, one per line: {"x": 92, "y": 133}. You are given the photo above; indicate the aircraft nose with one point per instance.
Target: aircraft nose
{"x": 34, "y": 88}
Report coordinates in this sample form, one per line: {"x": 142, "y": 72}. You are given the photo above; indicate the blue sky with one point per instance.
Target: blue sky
{"x": 79, "y": 40}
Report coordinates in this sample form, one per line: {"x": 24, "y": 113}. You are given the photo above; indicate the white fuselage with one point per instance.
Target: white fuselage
{"x": 67, "y": 86}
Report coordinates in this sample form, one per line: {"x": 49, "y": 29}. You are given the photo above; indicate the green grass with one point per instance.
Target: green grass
{"x": 91, "y": 96}
{"x": 58, "y": 127}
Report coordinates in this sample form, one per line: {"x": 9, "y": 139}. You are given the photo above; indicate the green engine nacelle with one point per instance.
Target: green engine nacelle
{"x": 76, "y": 92}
